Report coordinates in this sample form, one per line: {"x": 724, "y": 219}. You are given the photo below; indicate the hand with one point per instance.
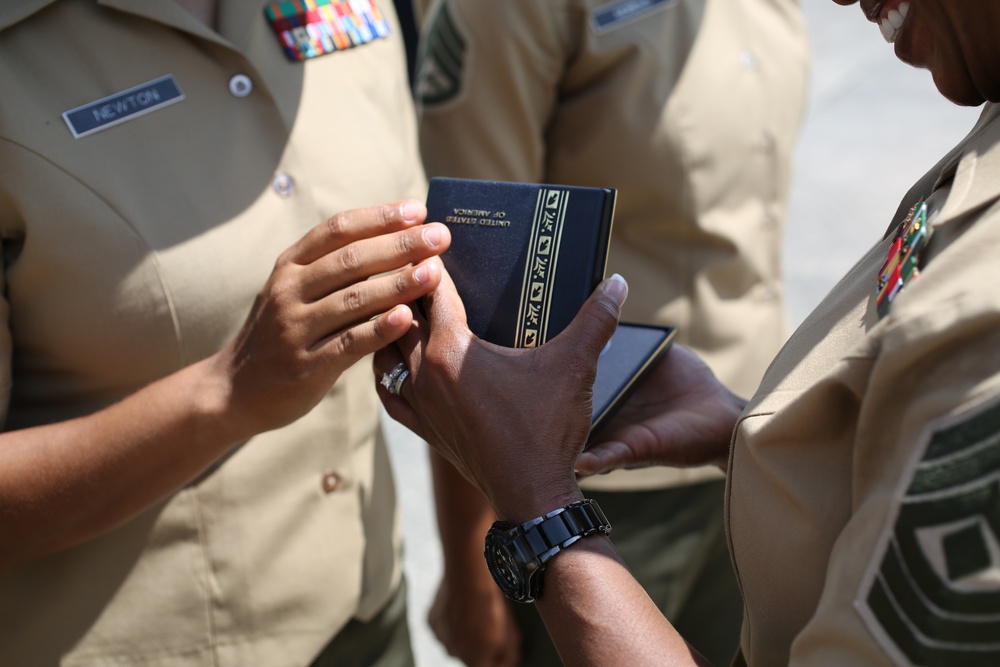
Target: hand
{"x": 322, "y": 310}
{"x": 474, "y": 622}
{"x": 680, "y": 415}
{"x": 512, "y": 421}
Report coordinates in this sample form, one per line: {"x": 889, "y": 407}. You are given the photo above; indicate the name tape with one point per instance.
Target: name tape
{"x": 124, "y": 106}
{"x": 619, "y": 13}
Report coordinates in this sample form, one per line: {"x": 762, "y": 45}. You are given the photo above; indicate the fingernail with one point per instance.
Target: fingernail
{"x": 616, "y": 288}
{"x": 396, "y": 317}
{"x": 410, "y": 211}
{"x": 420, "y": 275}
{"x": 432, "y": 235}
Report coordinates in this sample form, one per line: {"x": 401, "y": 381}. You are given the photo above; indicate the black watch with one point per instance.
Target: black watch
{"x": 516, "y": 553}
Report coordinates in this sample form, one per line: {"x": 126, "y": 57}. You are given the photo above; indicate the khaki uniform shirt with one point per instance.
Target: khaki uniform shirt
{"x": 689, "y": 108}
{"x": 134, "y": 251}
{"x": 863, "y": 502}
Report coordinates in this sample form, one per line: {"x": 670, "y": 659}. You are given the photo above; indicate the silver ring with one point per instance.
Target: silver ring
{"x": 397, "y": 386}
{"x": 394, "y": 379}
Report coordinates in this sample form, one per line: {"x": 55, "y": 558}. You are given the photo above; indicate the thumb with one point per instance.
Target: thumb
{"x": 597, "y": 320}
{"x": 608, "y": 456}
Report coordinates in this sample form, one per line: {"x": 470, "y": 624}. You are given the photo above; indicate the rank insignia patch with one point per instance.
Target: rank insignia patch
{"x": 441, "y": 61}
{"x": 310, "y": 28}
{"x": 934, "y": 598}
{"x": 902, "y": 261}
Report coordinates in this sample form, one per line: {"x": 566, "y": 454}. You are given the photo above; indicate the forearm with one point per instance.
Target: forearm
{"x": 592, "y": 606}
{"x": 595, "y": 612}
{"x": 335, "y": 296}
{"x": 464, "y": 515}
{"x": 65, "y": 483}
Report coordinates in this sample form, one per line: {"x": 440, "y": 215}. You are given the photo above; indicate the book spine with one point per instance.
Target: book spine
{"x": 604, "y": 242}
{"x": 540, "y": 268}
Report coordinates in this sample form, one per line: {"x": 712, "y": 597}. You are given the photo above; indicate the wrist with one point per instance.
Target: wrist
{"x": 518, "y": 553}
{"x": 212, "y": 394}
{"x": 525, "y": 502}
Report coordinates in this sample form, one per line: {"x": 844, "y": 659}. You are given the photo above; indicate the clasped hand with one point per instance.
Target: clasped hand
{"x": 514, "y": 421}
{"x": 338, "y": 294}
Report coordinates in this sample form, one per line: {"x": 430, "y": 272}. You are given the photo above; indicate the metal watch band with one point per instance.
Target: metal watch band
{"x": 516, "y": 553}
{"x": 548, "y": 535}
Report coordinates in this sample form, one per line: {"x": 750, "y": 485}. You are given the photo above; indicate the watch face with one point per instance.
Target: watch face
{"x": 502, "y": 565}
{"x": 516, "y": 554}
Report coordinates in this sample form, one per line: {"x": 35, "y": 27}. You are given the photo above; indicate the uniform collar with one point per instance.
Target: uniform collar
{"x": 237, "y": 30}
{"x": 235, "y": 17}
{"x": 958, "y": 168}
{"x": 167, "y": 13}
{"x": 974, "y": 170}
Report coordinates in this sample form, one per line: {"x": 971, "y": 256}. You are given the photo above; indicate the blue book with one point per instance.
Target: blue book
{"x": 525, "y": 257}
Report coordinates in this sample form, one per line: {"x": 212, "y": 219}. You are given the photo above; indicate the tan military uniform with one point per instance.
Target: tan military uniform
{"x": 864, "y": 506}
{"x": 134, "y": 251}
{"x": 689, "y": 108}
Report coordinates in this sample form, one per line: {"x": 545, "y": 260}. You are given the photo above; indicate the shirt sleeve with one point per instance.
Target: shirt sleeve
{"x": 914, "y": 577}
{"x": 487, "y": 83}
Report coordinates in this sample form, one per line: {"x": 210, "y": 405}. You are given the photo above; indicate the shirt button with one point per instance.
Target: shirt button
{"x": 240, "y": 85}
{"x": 767, "y": 142}
{"x": 284, "y": 185}
{"x": 769, "y": 220}
{"x": 765, "y": 292}
{"x": 331, "y": 481}
{"x": 748, "y": 60}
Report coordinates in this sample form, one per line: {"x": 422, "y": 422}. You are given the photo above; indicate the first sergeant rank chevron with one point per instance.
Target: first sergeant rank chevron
{"x": 934, "y": 598}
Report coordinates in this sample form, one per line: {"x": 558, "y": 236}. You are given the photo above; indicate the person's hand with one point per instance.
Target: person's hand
{"x": 324, "y": 307}
{"x": 474, "y": 622}
{"x": 512, "y": 421}
{"x": 680, "y": 415}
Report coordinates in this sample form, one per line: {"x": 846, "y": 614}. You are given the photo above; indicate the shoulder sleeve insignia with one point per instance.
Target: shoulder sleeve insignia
{"x": 441, "y": 60}
{"x": 934, "y": 598}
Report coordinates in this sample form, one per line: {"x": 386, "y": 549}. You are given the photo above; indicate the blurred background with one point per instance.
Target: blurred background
{"x": 873, "y": 127}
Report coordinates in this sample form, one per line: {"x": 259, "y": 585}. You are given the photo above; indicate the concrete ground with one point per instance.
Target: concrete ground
{"x": 874, "y": 126}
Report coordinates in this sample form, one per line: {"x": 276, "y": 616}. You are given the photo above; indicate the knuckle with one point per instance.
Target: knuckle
{"x": 405, "y": 243}
{"x": 336, "y": 224}
{"x": 301, "y": 361}
{"x": 353, "y": 298}
{"x": 388, "y": 214}
{"x": 272, "y": 296}
{"x": 350, "y": 257}
{"x": 282, "y": 288}
{"x": 284, "y": 259}
{"x": 286, "y": 330}
{"x": 346, "y": 343}
{"x": 378, "y": 329}
{"x": 605, "y": 314}
{"x": 401, "y": 282}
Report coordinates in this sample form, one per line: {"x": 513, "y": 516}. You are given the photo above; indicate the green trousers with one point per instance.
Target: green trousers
{"x": 673, "y": 541}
